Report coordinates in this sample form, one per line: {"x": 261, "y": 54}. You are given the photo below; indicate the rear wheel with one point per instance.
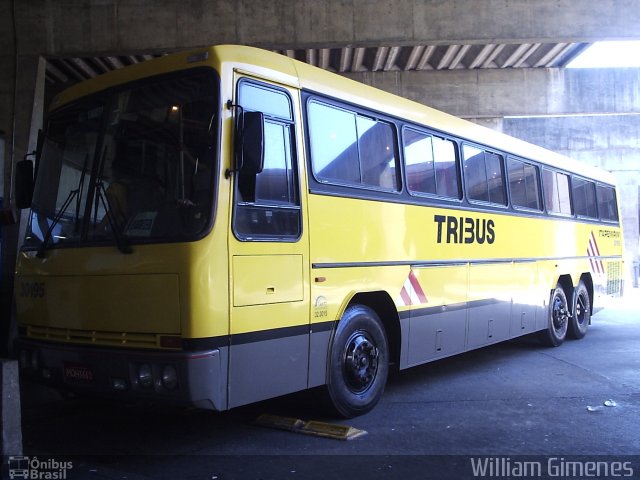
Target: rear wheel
{"x": 358, "y": 362}
{"x": 579, "y": 322}
{"x": 559, "y": 316}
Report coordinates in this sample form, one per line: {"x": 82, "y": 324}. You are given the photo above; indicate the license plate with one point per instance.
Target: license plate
{"x": 77, "y": 373}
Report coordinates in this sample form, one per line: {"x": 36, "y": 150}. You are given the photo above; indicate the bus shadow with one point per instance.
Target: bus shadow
{"x": 53, "y": 425}
{"x": 78, "y": 426}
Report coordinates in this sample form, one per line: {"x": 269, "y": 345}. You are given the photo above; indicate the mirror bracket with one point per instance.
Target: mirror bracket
{"x": 24, "y": 182}
{"x": 237, "y": 143}
{"x": 248, "y": 143}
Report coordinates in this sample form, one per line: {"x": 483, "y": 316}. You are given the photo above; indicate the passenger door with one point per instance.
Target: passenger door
{"x": 269, "y": 251}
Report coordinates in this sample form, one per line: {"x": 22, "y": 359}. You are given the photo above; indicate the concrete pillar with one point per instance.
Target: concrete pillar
{"x": 2, "y": 162}
{"x": 10, "y": 419}
{"x": 21, "y": 138}
{"x": 8, "y": 82}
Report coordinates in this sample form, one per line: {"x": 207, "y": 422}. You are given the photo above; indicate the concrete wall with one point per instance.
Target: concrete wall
{"x": 64, "y": 27}
{"x": 610, "y": 142}
{"x": 516, "y": 92}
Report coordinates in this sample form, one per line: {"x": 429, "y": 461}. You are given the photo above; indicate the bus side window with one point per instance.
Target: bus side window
{"x": 446, "y": 166}
{"x": 584, "y": 197}
{"x": 351, "y": 149}
{"x": 524, "y": 184}
{"x": 418, "y": 154}
{"x": 483, "y": 175}
{"x": 377, "y": 153}
{"x": 431, "y": 164}
{"x": 607, "y": 203}
{"x": 556, "y": 192}
{"x": 334, "y": 147}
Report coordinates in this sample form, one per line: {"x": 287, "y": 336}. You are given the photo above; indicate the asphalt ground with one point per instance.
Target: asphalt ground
{"x": 519, "y": 409}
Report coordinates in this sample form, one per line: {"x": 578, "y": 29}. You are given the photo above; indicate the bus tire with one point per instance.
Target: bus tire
{"x": 559, "y": 316}
{"x": 358, "y": 362}
{"x": 581, "y": 317}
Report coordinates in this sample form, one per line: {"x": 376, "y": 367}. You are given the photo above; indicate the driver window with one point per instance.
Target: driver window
{"x": 267, "y": 205}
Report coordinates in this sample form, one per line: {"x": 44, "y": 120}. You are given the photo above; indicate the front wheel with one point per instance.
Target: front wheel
{"x": 358, "y": 362}
{"x": 581, "y": 318}
{"x": 559, "y": 316}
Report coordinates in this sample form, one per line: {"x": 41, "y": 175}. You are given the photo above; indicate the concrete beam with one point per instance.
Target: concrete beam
{"x": 113, "y": 26}
{"x": 515, "y": 92}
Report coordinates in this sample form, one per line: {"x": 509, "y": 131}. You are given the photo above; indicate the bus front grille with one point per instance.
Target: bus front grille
{"x": 92, "y": 337}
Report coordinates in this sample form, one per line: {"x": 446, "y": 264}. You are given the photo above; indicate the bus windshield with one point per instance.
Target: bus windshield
{"x": 133, "y": 163}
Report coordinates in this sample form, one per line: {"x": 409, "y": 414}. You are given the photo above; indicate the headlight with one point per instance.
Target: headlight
{"x": 145, "y": 375}
{"x": 169, "y": 377}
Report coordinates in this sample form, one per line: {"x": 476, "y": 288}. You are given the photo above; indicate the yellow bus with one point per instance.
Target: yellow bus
{"x": 226, "y": 225}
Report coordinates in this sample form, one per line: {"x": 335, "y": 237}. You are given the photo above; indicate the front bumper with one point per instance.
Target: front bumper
{"x": 176, "y": 377}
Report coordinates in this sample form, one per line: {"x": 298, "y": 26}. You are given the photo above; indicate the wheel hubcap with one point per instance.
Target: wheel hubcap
{"x": 360, "y": 362}
{"x": 581, "y": 308}
{"x": 560, "y": 313}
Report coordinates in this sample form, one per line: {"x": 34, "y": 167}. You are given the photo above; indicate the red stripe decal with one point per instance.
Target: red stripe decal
{"x": 405, "y": 296}
{"x": 595, "y": 244}
{"x": 417, "y": 288}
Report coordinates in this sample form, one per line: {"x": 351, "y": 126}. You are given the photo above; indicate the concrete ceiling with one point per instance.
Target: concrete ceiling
{"x": 62, "y": 72}
{"x": 440, "y": 57}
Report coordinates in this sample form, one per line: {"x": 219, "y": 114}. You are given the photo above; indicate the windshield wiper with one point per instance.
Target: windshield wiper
{"x": 56, "y": 219}
{"x": 79, "y": 190}
{"x": 102, "y": 197}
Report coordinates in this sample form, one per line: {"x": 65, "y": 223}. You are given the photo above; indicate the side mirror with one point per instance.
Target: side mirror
{"x": 24, "y": 183}
{"x": 251, "y": 149}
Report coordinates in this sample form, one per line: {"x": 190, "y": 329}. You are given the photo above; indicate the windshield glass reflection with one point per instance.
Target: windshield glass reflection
{"x": 134, "y": 164}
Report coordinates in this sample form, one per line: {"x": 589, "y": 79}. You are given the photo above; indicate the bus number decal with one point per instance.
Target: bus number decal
{"x": 32, "y": 289}
{"x": 615, "y": 235}
{"x": 320, "y": 308}
{"x": 464, "y": 229}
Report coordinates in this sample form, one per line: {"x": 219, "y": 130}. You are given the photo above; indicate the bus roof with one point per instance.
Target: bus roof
{"x": 308, "y": 77}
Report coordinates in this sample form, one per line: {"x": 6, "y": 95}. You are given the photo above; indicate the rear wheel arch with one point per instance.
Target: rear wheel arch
{"x": 567, "y": 285}
{"x": 588, "y": 282}
{"x": 380, "y": 302}
{"x": 364, "y": 344}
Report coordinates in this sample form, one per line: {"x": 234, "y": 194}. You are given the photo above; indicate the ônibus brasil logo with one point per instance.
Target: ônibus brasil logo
{"x": 34, "y": 468}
